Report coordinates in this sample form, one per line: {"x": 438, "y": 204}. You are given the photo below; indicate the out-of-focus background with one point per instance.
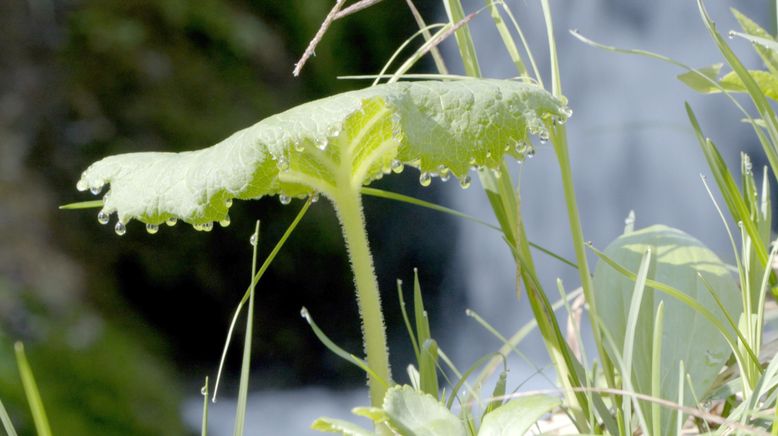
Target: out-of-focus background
{"x": 120, "y": 331}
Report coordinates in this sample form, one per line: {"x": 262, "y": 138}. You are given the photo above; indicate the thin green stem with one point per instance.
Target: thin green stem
{"x": 348, "y": 204}
{"x": 559, "y": 140}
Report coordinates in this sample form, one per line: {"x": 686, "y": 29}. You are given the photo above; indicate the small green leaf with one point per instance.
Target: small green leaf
{"x": 517, "y": 416}
{"x": 769, "y": 57}
{"x": 415, "y": 413}
{"x": 766, "y": 81}
{"x": 702, "y": 80}
{"x": 345, "y": 428}
{"x": 347, "y": 140}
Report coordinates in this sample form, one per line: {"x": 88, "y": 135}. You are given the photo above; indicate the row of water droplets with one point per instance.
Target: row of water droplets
{"x": 522, "y": 149}
{"x": 104, "y": 216}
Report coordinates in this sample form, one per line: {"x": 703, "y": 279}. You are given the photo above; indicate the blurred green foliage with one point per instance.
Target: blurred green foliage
{"x": 115, "y": 326}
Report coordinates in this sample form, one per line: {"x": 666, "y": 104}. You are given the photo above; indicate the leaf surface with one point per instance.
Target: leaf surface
{"x": 347, "y": 140}
{"x": 688, "y": 336}
{"x": 517, "y": 416}
{"x": 414, "y": 413}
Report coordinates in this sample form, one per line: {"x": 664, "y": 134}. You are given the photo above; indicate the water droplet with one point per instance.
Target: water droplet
{"x": 472, "y": 161}
{"x": 225, "y": 222}
{"x": 304, "y": 313}
{"x": 530, "y": 152}
{"x": 253, "y": 240}
{"x": 731, "y": 34}
{"x": 197, "y": 227}
{"x": 228, "y": 203}
{"x": 299, "y": 146}
{"x": 543, "y": 136}
{"x": 497, "y": 173}
{"x": 322, "y": 143}
{"x": 563, "y": 119}
{"x": 315, "y": 197}
{"x": 204, "y": 391}
{"x": 425, "y": 179}
{"x": 207, "y": 227}
{"x": 120, "y": 228}
{"x": 284, "y": 199}
{"x": 95, "y": 190}
{"x": 171, "y": 221}
{"x": 82, "y": 186}
{"x": 445, "y": 173}
{"x": 152, "y": 228}
{"x": 464, "y": 181}
{"x": 283, "y": 163}
{"x": 103, "y": 217}
{"x": 397, "y": 166}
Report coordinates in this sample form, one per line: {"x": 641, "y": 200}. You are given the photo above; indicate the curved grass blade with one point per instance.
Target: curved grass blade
{"x": 340, "y": 352}
{"x": 268, "y": 260}
{"x": 240, "y": 413}
{"x": 204, "y": 423}
{"x": 6, "y": 420}
{"x": 373, "y": 192}
{"x": 31, "y": 391}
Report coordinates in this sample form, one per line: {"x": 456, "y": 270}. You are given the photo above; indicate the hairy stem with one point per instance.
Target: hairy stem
{"x": 348, "y": 204}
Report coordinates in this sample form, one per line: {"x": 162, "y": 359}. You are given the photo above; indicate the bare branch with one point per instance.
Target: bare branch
{"x": 317, "y": 38}
{"x": 356, "y": 7}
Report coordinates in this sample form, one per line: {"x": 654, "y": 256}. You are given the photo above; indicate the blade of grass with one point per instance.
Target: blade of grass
{"x": 456, "y": 14}
{"x": 31, "y": 392}
{"x": 6, "y": 420}
{"x": 656, "y": 367}
{"x": 489, "y": 328}
{"x": 82, "y": 205}
{"x": 440, "y": 64}
{"x": 524, "y": 43}
{"x": 204, "y": 424}
{"x": 420, "y": 76}
{"x": 506, "y": 37}
{"x": 726, "y": 183}
{"x": 514, "y": 341}
{"x": 436, "y": 207}
{"x": 407, "y": 320}
{"x": 340, "y": 352}
{"x": 240, "y": 413}
{"x": 268, "y": 260}
{"x": 679, "y": 413}
{"x": 632, "y": 323}
{"x": 428, "y": 348}
{"x": 423, "y": 31}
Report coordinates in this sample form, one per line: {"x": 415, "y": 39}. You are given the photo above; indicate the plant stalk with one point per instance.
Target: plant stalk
{"x": 348, "y": 204}
{"x": 559, "y": 140}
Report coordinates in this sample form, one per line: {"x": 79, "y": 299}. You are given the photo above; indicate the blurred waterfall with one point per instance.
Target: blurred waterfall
{"x": 630, "y": 142}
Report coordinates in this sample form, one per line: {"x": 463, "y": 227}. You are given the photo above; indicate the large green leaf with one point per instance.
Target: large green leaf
{"x": 677, "y": 259}
{"x": 413, "y": 413}
{"x": 517, "y": 416}
{"x": 347, "y": 140}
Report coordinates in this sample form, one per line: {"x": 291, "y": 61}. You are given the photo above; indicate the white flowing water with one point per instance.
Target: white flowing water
{"x": 631, "y": 148}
